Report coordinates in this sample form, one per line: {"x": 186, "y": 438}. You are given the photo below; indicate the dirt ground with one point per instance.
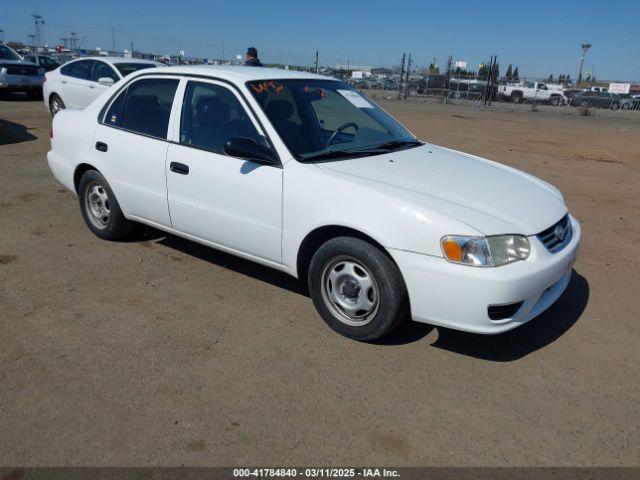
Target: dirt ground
{"x": 161, "y": 352}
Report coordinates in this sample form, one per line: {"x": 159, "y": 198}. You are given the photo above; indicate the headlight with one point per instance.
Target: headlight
{"x": 485, "y": 251}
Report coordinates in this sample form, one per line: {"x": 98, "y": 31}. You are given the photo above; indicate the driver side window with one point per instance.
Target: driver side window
{"x": 102, "y": 70}
{"x": 211, "y": 116}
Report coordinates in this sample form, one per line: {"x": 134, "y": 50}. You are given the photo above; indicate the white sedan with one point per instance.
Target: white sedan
{"x": 306, "y": 175}
{"x": 77, "y": 83}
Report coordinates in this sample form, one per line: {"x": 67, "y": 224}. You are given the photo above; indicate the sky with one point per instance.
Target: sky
{"x": 538, "y": 36}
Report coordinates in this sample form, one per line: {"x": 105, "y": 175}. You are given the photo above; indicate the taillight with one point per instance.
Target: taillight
{"x": 51, "y": 132}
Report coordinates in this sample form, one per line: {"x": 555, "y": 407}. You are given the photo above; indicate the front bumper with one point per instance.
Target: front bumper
{"x": 458, "y": 296}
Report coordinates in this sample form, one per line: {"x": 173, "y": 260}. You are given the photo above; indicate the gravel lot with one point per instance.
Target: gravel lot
{"x": 160, "y": 352}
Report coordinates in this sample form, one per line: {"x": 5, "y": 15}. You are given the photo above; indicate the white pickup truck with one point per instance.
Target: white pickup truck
{"x": 531, "y": 91}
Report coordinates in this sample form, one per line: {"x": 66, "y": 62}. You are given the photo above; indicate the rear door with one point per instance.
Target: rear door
{"x": 75, "y": 78}
{"x": 132, "y": 143}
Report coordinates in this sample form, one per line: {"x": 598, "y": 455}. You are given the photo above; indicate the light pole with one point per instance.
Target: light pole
{"x": 585, "y": 49}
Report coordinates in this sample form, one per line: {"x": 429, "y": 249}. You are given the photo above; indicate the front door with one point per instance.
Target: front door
{"x": 233, "y": 203}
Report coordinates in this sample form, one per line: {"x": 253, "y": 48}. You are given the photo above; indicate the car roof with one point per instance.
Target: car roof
{"x": 115, "y": 60}
{"x": 237, "y": 74}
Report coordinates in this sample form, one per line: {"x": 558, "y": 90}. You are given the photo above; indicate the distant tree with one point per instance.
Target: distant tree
{"x": 550, "y": 79}
{"x": 561, "y": 78}
{"x": 433, "y": 69}
{"x": 516, "y": 76}
{"x": 567, "y": 78}
{"x": 483, "y": 71}
{"x": 509, "y": 74}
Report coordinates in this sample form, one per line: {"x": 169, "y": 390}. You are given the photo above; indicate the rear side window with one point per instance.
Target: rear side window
{"x": 144, "y": 107}
{"x": 80, "y": 69}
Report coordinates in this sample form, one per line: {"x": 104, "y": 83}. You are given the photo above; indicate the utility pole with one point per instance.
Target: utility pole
{"x": 38, "y": 22}
{"x": 317, "y": 61}
{"x": 585, "y": 48}
{"x": 131, "y": 48}
{"x": 2, "y": 33}
{"x": 401, "y": 76}
{"x": 406, "y": 83}
{"x": 113, "y": 40}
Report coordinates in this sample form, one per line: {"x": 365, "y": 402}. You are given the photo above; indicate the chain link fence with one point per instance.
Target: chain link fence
{"x": 526, "y": 94}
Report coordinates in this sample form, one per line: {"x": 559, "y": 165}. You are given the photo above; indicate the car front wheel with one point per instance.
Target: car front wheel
{"x": 357, "y": 289}
{"x": 100, "y": 209}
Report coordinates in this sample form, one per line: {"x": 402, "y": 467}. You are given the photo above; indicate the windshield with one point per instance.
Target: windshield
{"x": 7, "y": 54}
{"x": 324, "y": 119}
{"x": 127, "y": 68}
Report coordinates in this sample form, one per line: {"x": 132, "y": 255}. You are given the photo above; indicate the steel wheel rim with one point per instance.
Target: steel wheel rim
{"x": 55, "y": 105}
{"x": 97, "y": 205}
{"x": 350, "y": 291}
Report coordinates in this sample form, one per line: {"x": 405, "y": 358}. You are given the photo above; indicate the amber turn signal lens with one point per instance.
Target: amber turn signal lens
{"x": 452, "y": 250}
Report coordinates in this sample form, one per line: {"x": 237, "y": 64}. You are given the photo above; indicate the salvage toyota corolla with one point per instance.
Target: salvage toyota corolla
{"x": 306, "y": 175}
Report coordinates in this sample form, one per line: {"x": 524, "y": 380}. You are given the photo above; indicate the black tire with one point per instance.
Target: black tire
{"x": 392, "y": 298}
{"x": 53, "y": 99}
{"x": 615, "y": 106}
{"x": 35, "y": 94}
{"x": 555, "y": 101}
{"x": 116, "y": 226}
{"x": 516, "y": 97}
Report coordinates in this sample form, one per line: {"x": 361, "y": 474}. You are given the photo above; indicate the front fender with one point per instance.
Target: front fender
{"x": 315, "y": 197}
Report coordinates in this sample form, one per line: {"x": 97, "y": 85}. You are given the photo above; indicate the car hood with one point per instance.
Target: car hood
{"x": 487, "y": 196}
{"x": 17, "y": 62}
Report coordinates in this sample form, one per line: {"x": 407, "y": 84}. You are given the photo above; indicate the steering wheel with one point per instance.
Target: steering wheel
{"x": 342, "y": 127}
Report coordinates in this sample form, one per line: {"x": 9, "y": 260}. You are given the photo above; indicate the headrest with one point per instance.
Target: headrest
{"x": 212, "y": 111}
{"x": 279, "y": 110}
{"x": 142, "y": 103}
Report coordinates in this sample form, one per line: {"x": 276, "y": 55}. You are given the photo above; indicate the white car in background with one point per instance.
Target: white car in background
{"x": 77, "y": 83}
{"x": 304, "y": 174}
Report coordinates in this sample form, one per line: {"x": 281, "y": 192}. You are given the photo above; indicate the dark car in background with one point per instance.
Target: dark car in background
{"x": 596, "y": 100}
{"x": 44, "y": 61}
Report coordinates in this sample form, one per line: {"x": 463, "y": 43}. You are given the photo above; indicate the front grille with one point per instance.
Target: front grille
{"x": 22, "y": 70}
{"x": 502, "y": 312}
{"x": 557, "y": 236}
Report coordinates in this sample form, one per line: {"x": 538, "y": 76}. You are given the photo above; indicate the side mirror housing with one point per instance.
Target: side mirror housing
{"x": 106, "y": 81}
{"x": 249, "y": 149}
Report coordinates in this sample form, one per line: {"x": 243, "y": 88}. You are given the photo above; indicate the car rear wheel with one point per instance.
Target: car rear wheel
{"x": 357, "y": 289}
{"x": 516, "y": 97}
{"x": 555, "y": 101}
{"x": 55, "y": 104}
{"x": 100, "y": 209}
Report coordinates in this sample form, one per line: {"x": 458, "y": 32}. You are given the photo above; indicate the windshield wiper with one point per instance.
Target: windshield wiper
{"x": 399, "y": 143}
{"x": 335, "y": 154}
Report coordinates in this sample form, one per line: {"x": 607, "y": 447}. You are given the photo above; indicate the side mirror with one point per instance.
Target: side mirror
{"x": 249, "y": 149}
{"x": 106, "y": 81}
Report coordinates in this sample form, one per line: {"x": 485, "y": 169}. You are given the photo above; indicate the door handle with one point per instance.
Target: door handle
{"x": 103, "y": 147}
{"x": 180, "y": 168}
{"x": 92, "y": 86}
